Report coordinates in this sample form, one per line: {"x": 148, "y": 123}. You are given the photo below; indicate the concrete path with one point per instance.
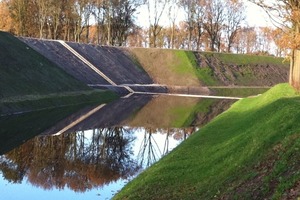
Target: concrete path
{"x": 189, "y": 95}
{"x": 92, "y": 66}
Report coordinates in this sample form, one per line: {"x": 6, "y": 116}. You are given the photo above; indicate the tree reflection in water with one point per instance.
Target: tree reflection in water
{"x": 87, "y": 159}
{"x": 150, "y": 151}
{"x": 78, "y": 161}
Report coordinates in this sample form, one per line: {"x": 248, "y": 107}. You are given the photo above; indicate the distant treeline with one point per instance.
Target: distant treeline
{"x": 214, "y": 25}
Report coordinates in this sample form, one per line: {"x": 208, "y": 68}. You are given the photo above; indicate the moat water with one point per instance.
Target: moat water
{"x": 94, "y": 152}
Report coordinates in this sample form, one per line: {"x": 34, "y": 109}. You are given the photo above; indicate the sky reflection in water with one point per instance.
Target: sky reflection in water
{"x": 136, "y": 149}
{"x": 97, "y": 162}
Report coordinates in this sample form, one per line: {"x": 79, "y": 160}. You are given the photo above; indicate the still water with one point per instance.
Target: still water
{"x": 93, "y": 152}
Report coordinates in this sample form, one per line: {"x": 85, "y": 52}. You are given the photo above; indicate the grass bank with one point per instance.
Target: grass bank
{"x": 23, "y": 71}
{"x": 188, "y": 68}
{"x": 249, "y": 151}
{"x": 29, "y": 81}
{"x": 217, "y": 69}
{"x": 169, "y": 67}
{"x": 238, "y": 92}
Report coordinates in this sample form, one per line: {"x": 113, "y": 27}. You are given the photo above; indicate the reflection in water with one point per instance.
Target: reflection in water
{"x": 78, "y": 161}
{"x": 150, "y": 151}
{"x": 86, "y": 159}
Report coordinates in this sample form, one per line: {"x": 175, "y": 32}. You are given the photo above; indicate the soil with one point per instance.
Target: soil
{"x": 114, "y": 63}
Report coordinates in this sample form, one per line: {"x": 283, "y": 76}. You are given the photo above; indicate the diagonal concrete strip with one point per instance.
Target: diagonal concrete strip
{"x": 91, "y": 65}
{"x": 80, "y": 119}
{"x": 189, "y": 95}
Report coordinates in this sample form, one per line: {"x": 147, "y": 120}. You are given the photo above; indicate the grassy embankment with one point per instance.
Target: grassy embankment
{"x": 182, "y": 68}
{"x": 243, "y": 70}
{"x": 29, "y": 81}
{"x": 249, "y": 151}
{"x": 169, "y": 67}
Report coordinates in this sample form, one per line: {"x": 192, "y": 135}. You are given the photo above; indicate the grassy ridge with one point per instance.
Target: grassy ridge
{"x": 226, "y": 157}
{"x": 23, "y": 71}
{"x": 188, "y": 68}
{"x": 165, "y": 66}
{"x": 238, "y": 92}
{"x": 29, "y": 81}
{"x": 241, "y": 69}
{"x": 246, "y": 59}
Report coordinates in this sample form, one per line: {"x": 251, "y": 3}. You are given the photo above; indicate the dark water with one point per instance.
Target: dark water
{"x": 95, "y": 151}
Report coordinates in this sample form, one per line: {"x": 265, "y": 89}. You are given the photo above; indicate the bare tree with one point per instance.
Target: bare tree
{"x": 156, "y": 8}
{"x": 43, "y": 12}
{"x": 19, "y": 13}
{"x": 83, "y": 10}
{"x": 189, "y": 7}
{"x": 173, "y": 10}
{"x": 5, "y": 18}
{"x": 235, "y": 16}
{"x": 54, "y": 19}
{"x": 199, "y": 12}
{"x": 213, "y": 22}
{"x": 285, "y": 14}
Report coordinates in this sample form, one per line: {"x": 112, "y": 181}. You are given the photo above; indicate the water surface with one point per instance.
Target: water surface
{"x": 95, "y": 151}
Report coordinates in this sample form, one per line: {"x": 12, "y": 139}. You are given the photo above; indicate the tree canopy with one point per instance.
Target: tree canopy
{"x": 216, "y": 25}
{"x": 286, "y": 16}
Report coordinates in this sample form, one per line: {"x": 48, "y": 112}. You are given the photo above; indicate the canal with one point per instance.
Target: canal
{"x": 94, "y": 151}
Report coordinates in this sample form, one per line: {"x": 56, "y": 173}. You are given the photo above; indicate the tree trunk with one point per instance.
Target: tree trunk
{"x": 294, "y": 79}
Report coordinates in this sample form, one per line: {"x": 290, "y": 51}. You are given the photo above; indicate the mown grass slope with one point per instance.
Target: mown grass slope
{"x": 188, "y": 68}
{"x": 29, "y": 81}
{"x": 169, "y": 67}
{"x": 23, "y": 71}
{"x": 241, "y": 69}
{"x": 249, "y": 151}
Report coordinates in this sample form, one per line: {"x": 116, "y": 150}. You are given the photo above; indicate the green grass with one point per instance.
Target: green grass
{"x": 204, "y": 74}
{"x": 30, "y": 81}
{"x": 238, "y": 92}
{"x": 23, "y": 71}
{"x": 222, "y": 159}
{"x": 185, "y": 64}
{"x": 165, "y": 66}
{"x": 188, "y": 65}
{"x": 246, "y": 59}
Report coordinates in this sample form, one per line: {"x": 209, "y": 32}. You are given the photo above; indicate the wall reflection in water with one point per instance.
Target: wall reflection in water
{"x": 88, "y": 159}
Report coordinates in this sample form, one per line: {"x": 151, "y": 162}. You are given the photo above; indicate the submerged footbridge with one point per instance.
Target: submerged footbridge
{"x": 107, "y": 67}
{"x": 97, "y": 66}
